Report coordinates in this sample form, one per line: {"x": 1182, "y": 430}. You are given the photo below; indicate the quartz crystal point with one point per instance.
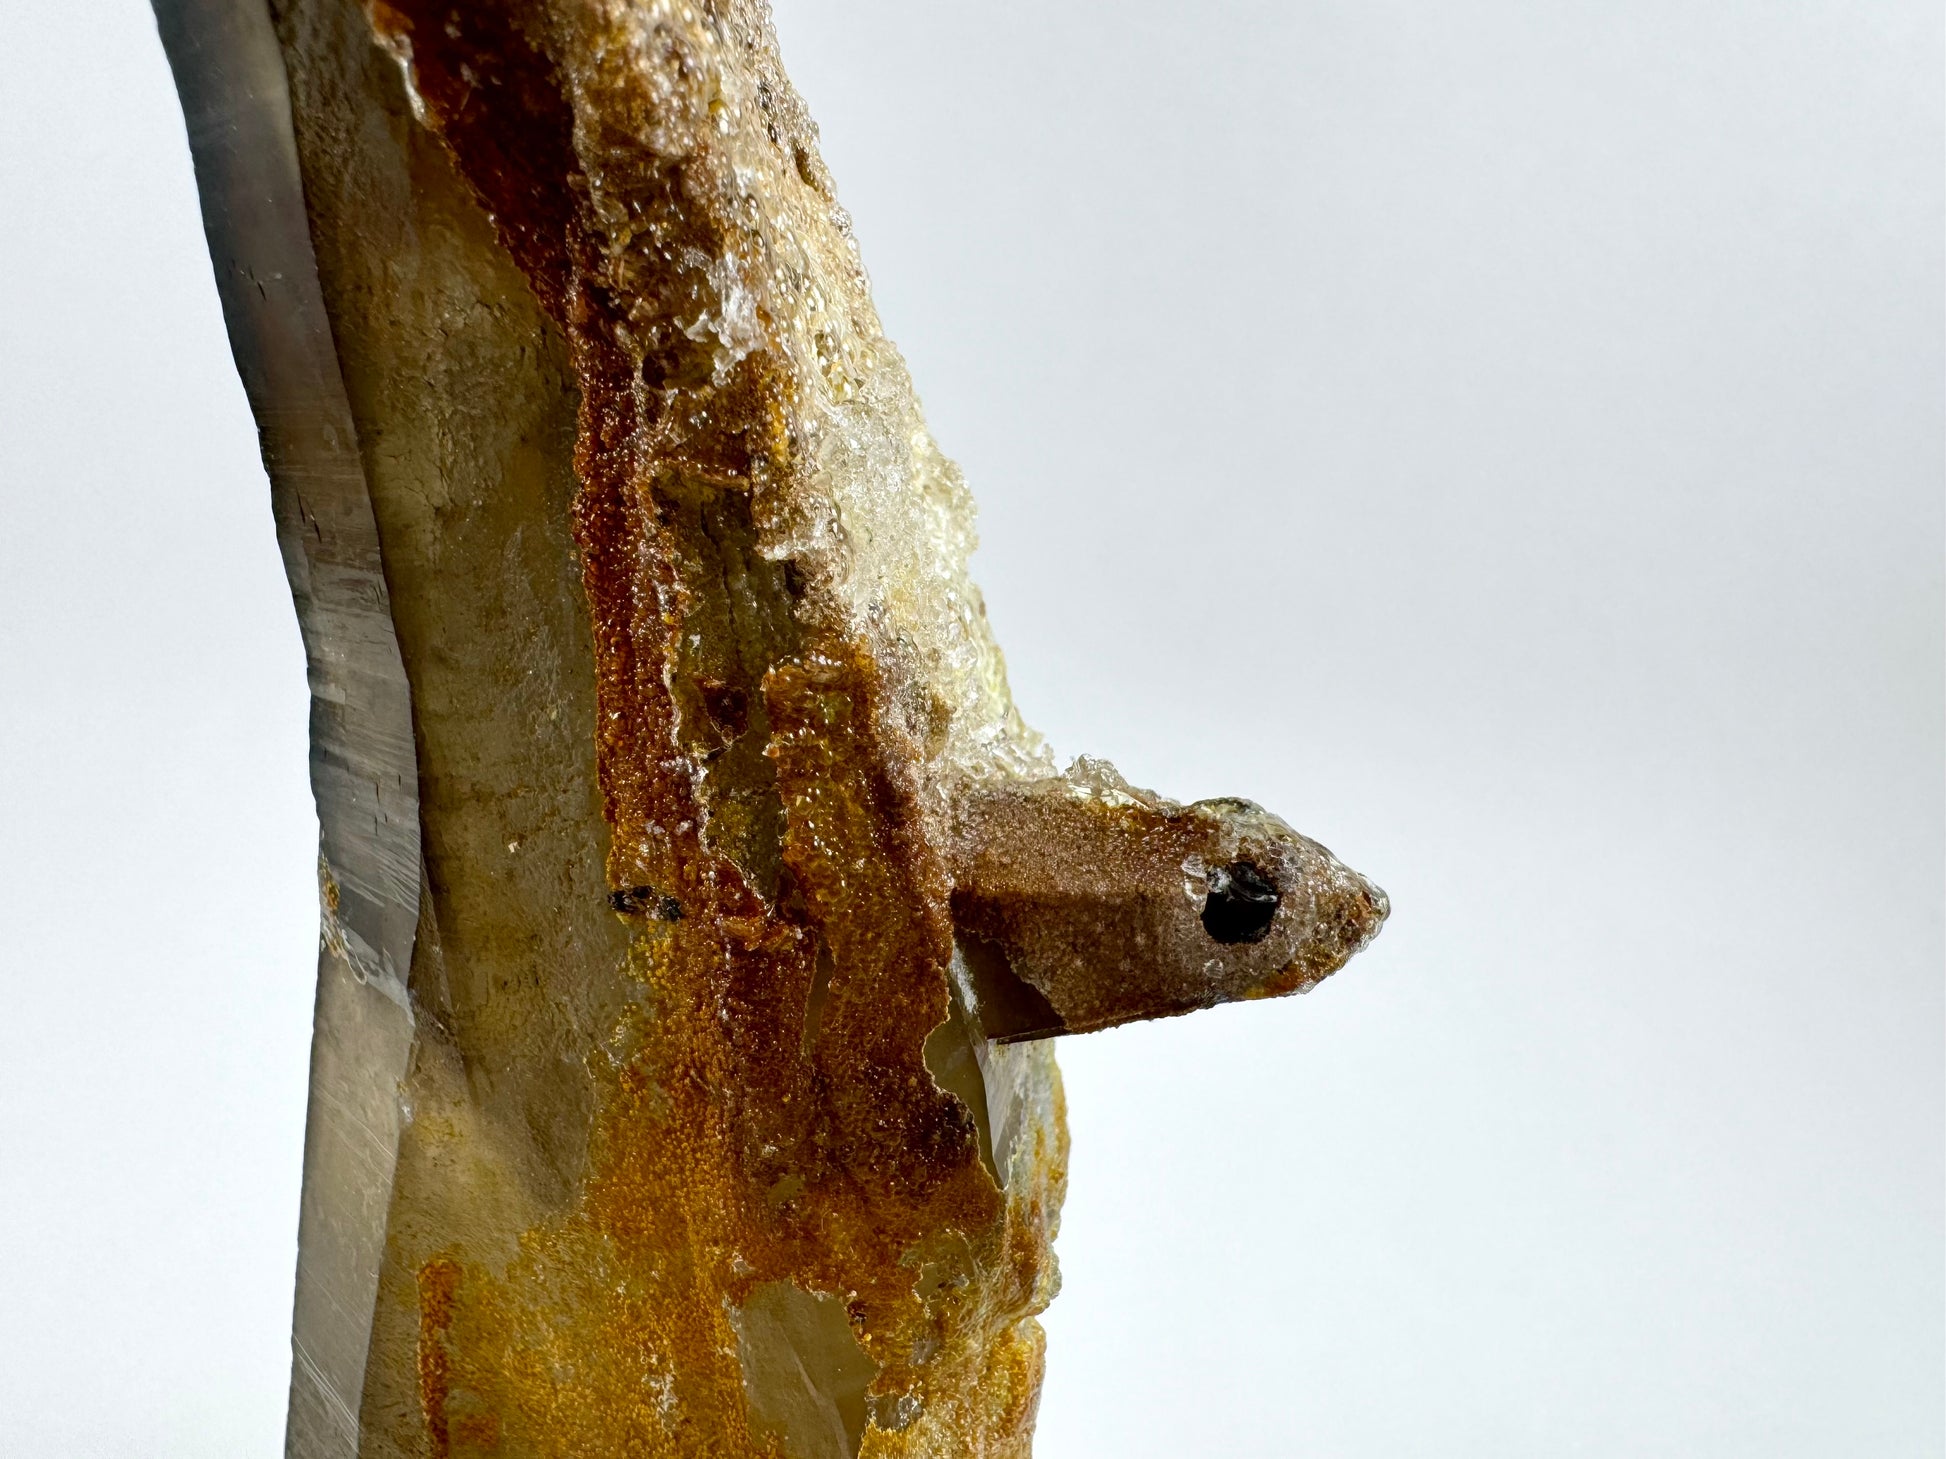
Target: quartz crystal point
{"x": 696, "y": 904}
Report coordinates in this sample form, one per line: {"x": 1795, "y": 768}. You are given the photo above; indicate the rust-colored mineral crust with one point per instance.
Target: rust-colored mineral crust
{"x": 716, "y": 1114}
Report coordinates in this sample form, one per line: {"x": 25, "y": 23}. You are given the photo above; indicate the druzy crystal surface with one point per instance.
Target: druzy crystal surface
{"x": 698, "y": 908}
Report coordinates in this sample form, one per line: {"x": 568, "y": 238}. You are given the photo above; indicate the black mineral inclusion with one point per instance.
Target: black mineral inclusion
{"x": 1241, "y": 904}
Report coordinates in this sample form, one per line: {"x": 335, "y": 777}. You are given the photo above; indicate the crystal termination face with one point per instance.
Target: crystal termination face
{"x": 698, "y": 908}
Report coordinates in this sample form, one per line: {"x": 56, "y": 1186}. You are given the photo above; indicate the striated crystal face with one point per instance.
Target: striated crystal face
{"x": 716, "y": 1112}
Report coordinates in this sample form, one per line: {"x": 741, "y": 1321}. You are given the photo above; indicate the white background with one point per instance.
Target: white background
{"x": 1505, "y": 438}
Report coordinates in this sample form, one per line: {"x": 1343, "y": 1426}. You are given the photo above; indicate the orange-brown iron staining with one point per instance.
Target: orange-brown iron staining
{"x": 729, "y": 1126}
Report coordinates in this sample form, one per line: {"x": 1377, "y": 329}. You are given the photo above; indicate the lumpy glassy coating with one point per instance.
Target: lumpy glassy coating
{"x": 756, "y": 1148}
